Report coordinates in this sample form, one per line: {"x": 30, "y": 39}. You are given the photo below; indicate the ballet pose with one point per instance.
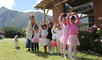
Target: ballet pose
{"x": 65, "y": 29}
{"x": 73, "y": 41}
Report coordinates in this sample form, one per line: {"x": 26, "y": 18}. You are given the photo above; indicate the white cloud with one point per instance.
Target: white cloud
{"x": 50, "y": 13}
{"x": 31, "y": 10}
{"x": 39, "y": 1}
{"x": 36, "y": 2}
{"x": 7, "y": 3}
{"x": 39, "y": 10}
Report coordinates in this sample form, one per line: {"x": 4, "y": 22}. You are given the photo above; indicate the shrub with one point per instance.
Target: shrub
{"x": 10, "y": 32}
{"x": 84, "y": 41}
{"x": 90, "y": 40}
{"x": 99, "y": 32}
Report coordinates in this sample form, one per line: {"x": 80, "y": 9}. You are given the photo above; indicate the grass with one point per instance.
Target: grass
{"x": 7, "y": 52}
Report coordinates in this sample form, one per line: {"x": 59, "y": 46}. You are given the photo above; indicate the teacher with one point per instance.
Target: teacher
{"x": 29, "y": 33}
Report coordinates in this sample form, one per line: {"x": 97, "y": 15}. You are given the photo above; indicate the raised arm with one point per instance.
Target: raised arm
{"x": 68, "y": 18}
{"x": 52, "y": 30}
{"x": 60, "y": 19}
{"x": 77, "y": 18}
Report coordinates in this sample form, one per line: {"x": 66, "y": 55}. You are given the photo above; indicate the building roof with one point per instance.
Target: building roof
{"x": 48, "y": 4}
{"x": 81, "y": 6}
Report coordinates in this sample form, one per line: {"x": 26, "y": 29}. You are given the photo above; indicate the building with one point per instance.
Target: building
{"x": 92, "y": 8}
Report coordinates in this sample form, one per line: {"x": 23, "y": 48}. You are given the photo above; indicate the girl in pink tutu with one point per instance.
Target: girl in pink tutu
{"x": 73, "y": 41}
{"x": 64, "y": 39}
{"x": 35, "y": 39}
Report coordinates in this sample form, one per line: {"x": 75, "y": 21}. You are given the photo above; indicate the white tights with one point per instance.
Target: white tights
{"x": 64, "y": 50}
{"x": 72, "y": 49}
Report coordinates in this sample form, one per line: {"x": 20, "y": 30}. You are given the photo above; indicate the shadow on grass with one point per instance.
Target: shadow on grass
{"x": 45, "y": 55}
{"x": 84, "y": 59}
{"x": 93, "y": 54}
{"x": 41, "y": 54}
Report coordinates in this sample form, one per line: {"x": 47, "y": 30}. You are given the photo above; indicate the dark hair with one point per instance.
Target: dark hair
{"x": 64, "y": 15}
{"x": 36, "y": 26}
{"x": 73, "y": 18}
{"x": 32, "y": 16}
{"x": 44, "y": 25}
{"x": 50, "y": 23}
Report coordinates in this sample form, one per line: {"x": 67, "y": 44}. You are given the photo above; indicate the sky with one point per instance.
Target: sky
{"x": 21, "y": 5}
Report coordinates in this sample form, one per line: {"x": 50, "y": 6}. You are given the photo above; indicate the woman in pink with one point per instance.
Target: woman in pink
{"x": 73, "y": 41}
{"x": 35, "y": 39}
{"x": 64, "y": 39}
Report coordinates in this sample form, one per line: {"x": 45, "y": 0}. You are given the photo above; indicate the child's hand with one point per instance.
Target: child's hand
{"x": 67, "y": 13}
{"x": 61, "y": 14}
{"x": 55, "y": 23}
{"x": 74, "y": 13}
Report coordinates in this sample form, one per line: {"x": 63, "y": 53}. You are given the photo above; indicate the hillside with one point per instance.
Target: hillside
{"x": 17, "y": 19}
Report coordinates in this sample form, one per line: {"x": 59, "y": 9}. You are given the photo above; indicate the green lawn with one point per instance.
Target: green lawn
{"x": 7, "y": 52}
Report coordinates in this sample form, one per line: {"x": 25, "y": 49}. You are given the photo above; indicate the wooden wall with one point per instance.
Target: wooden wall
{"x": 56, "y": 12}
{"x": 97, "y": 5}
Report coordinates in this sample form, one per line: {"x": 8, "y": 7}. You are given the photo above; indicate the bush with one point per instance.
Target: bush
{"x": 84, "y": 41}
{"x": 10, "y": 32}
{"x": 90, "y": 40}
{"x": 97, "y": 46}
{"x": 99, "y": 32}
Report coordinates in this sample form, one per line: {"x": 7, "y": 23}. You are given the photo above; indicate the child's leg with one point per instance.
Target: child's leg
{"x": 75, "y": 51}
{"x": 37, "y": 46}
{"x": 45, "y": 49}
{"x": 63, "y": 49}
{"x": 70, "y": 52}
{"x": 34, "y": 46}
{"x": 57, "y": 51}
{"x": 58, "y": 46}
{"x": 50, "y": 47}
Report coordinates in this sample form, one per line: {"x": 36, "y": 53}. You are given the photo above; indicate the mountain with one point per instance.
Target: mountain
{"x": 17, "y": 19}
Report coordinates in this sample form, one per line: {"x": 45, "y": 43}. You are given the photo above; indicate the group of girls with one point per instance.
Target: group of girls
{"x": 62, "y": 35}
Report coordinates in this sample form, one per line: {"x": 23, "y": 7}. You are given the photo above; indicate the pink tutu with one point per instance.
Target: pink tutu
{"x": 35, "y": 40}
{"x": 53, "y": 43}
{"x": 73, "y": 40}
{"x": 63, "y": 39}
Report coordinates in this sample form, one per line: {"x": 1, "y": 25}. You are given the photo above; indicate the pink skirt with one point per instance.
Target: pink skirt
{"x": 35, "y": 40}
{"x": 63, "y": 39}
{"x": 73, "y": 40}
